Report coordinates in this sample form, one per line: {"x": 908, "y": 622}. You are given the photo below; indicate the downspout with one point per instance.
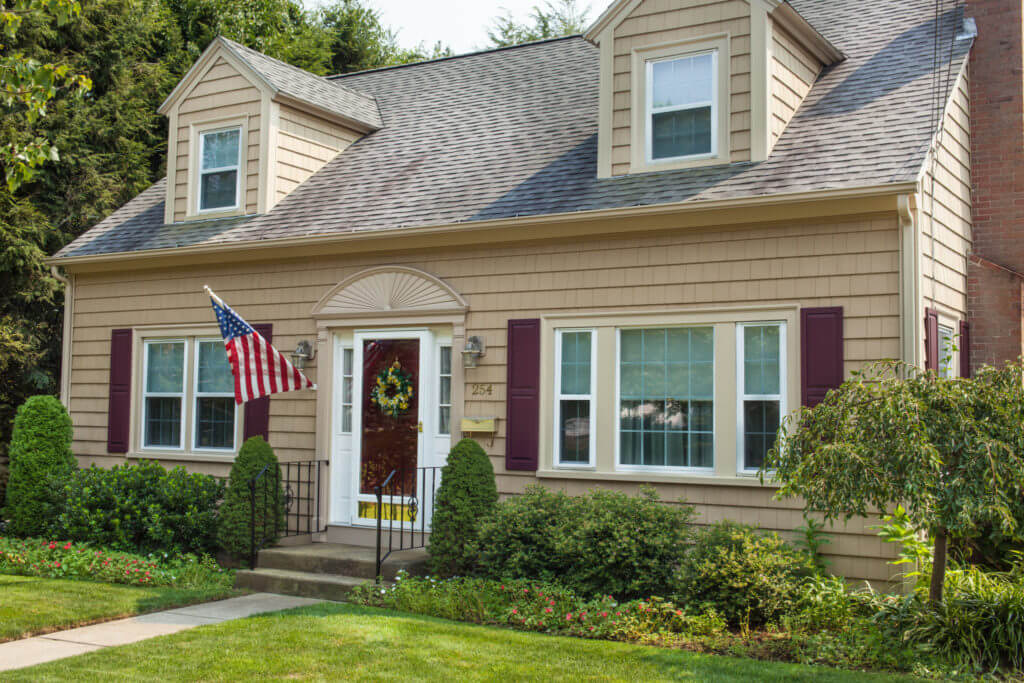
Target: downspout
{"x": 910, "y": 281}
{"x": 65, "y": 355}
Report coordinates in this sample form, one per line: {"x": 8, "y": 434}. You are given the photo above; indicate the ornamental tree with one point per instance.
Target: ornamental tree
{"x": 950, "y": 451}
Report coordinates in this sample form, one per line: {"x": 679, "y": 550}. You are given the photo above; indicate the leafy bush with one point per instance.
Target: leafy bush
{"x": 66, "y": 560}
{"x": 141, "y": 508}
{"x": 746, "y": 576}
{"x": 601, "y": 543}
{"x": 466, "y": 496}
{"x": 235, "y": 525}
{"x": 41, "y": 461}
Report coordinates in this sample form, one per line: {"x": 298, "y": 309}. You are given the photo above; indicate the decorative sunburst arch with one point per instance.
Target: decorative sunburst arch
{"x": 390, "y": 291}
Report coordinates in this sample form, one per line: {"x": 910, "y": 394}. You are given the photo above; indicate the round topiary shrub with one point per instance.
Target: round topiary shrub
{"x": 41, "y": 462}
{"x": 235, "y": 529}
{"x": 465, "y": 498}
{"x": 744, "y": 575}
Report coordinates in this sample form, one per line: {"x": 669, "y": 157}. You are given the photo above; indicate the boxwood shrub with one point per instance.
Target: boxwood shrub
{"x": 235, "y": 525}
{"x": 466, "y": 496}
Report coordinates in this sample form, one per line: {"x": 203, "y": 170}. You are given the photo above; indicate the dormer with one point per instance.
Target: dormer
{"x": 245, "y": 130}
{"x": 693, "y": 83}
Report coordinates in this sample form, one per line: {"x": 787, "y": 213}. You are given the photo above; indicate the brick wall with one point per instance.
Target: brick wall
{"x": 997, "y": 172}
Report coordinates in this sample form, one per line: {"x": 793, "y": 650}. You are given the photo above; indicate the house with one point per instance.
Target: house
{"x": 614, "y": 259}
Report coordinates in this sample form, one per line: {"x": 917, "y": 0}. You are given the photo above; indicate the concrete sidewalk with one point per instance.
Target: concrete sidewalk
{"x": 28, "y": 651}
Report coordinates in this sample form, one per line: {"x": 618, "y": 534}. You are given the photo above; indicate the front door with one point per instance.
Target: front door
{"x": 388, "y": 424}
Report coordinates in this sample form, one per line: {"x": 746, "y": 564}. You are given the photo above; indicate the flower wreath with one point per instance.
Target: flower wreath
{"x": 392, "y": 390}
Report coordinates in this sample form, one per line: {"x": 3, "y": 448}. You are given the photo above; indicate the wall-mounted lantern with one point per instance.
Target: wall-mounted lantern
{"x": 303, "y": 352}
{"x": 472, "y": 352}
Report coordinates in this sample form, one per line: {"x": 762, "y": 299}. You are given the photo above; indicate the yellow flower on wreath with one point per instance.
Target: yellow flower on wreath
{"x": 398, "y": 380}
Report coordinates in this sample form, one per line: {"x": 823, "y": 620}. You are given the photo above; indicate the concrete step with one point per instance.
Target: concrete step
{"x": 342, "y": 560}
{"x": 304, "y": 584}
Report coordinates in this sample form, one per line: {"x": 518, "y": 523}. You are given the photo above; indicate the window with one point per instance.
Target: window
{"x": 761, "y": 387}
{"x": 444, "y": 409}
{"x": 681, "y": 106}
{"x": 346, "y": 390}
{"x": 666, "y": 398}
{"x": 574, "y": 404}
{"x": 219, "y": 163}
{"x": 188, "y": 396}
{"x": 946, "y": 351}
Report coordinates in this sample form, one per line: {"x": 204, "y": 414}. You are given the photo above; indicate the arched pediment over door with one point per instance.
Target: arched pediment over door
{"x": 390, "y": 292}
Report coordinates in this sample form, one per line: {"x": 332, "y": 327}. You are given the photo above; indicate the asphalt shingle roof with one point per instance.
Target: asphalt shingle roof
{"x": 513, "y": 132}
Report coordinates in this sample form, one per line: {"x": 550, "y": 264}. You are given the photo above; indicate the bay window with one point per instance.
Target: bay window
{"x": 761, "y": 389}
{"x": 574, "y": 403}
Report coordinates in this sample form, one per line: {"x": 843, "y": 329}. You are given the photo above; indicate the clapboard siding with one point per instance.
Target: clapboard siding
{"x": 794, "y": 70}
{"x": 304, "y": 144}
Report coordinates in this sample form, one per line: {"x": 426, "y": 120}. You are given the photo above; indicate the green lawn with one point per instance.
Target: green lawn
{"x": 31, "y": 606}
{"x": 335, "y": 641}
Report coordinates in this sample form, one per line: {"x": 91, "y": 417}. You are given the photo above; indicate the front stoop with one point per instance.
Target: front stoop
{"x": 324, "y": 570}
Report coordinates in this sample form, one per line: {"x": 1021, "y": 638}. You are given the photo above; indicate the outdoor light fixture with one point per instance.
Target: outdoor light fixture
{"x": 302, "y": 353}
{"x": 473, "y": 350}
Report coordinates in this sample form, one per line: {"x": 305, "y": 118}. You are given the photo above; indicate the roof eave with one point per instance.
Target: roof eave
{"x": 788, "y": 18}
{"x": 357, "y": 125}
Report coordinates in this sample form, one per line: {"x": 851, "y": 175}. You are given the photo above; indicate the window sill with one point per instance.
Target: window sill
{"x": 657, "y": 478}
{"x": 180, "y": 456}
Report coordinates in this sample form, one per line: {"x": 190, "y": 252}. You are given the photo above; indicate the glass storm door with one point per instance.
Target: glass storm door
{"x": 390, "y": 424}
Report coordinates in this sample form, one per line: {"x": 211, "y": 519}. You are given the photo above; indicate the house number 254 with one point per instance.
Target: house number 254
{"x": 483, "y": 389}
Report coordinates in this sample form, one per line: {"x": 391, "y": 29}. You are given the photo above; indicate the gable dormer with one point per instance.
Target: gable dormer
{"x": 245, "y": 130}
{"x": 692, "y": 83}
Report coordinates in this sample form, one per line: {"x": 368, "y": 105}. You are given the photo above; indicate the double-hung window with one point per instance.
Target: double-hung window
{"x": 214, "y": 413}
{"x": 220, "y": 160}
{"x": 681, "y": 106}
{"x": 666, "y": 398}
{"x": 761, "y": 387}
{"x": 574, "y": 401}
{"x": 163, "y": 401}
{"x": 946, "y": 351}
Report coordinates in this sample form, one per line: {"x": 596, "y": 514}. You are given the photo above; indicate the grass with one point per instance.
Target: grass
{"x": 32, "y": 606}
{"x": 334, "y": 641}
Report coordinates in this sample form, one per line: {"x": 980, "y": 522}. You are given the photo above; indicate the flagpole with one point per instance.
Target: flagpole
{"x": 214, "y": 296}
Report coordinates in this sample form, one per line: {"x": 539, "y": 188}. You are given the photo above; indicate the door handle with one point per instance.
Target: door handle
{"x": 419, "y": 427}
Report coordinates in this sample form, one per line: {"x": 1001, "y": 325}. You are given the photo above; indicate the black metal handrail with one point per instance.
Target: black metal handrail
{"x": 300, "y": 483}
{"x": 426, "y": 481}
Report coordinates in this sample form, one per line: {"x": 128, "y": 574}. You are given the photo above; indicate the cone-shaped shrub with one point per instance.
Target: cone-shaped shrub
{"x": 467, "y": 495}
{"x": 235, "y": 530}
{"x": 41, "y": 462}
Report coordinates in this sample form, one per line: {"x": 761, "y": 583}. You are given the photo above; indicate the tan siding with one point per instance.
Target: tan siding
{"x": 946, "y": 242}
{"x": 222, "y": 92}
{"x": 305, "y": 144}
{"x": 645, "y": 26}
{"x": 794, "y": 70}
{"x": 852, "y": 264}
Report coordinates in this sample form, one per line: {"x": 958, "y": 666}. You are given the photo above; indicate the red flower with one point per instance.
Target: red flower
{"x": 568, "y": 616}
{"x": 515, "y": 611}
{"x": 547, "y": 609}
{"x": 52, "y": 545}
{"x": 679, "y": 613}
{"x": 67, "y": 546}
{"x": 604, "y": 614}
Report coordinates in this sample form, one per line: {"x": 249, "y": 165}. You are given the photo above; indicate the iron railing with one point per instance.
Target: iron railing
{"x": 404, "y": 507}
{"x": 300, "y": 484}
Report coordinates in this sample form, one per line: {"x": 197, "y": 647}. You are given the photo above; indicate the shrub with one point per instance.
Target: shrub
{"x": 466, "y": 496}
{"x": 141, "y": 507}
{"x": 41, "y": 461}
{"x": 601, "y": 543}
{"x": 746, "y": 576}
{"x": 235, "y": 527}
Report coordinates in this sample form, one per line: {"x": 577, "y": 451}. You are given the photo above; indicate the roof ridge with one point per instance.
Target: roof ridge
{"x": 449, "y": 58}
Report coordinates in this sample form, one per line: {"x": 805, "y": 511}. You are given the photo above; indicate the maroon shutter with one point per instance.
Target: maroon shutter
{"x": 821, "y": 352}
{"x": 522, "y": 425}
{"x": 257, "y": 411}
{"x": 931, "y": 339}
{"x": 119, "y": 408}
{"x": 965, "y": 348}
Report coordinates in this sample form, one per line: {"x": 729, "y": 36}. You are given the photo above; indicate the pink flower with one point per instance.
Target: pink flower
{"x": 515, "y": 611}
{"x": 604, "y": 614}
{"x": 547, "y": 609}
{"x": 591, "y": 628}
{"x": 67, "y": 546}
{"x": 568, "y": 616}
{"x": 52, "y": 545}
{"x": 679, "y": 613}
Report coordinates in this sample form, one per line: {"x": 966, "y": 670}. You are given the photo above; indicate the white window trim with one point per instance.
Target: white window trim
{"x": 619, "y": 467}
{"x": 590, "y": 398}
{"x": 196, "y": 395}
{"x": 440, "y": 376}
{"x": 200, "y": 171}
{"x": 650, "y": 110}
{"x": 741, "y": 395}
{"x": 146, "y": 394}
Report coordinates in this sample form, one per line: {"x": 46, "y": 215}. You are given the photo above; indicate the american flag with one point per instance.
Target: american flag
{"x": 259, "y": 368}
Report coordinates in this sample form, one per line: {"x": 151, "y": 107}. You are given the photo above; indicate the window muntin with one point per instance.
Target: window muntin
{"x": 444, "y": 402}
{"x": 574, "y": 401}
{"x": 666, "y": 398}
{"x": 220, "y": 160}
{"x": 346, "y": 389}
{"x": 761, "y": 389}
{"x": 163, "y": 394}
{"x": 214, "y": 405}
{"x": 682, "y": 106}
{"x": 946, "y": 351}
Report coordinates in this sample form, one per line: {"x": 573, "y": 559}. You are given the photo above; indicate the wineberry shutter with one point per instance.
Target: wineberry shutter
{"x": 965, "y": 348}
{"x": 931, "y": 339}
{"x": 119, "y": 408}
{"x": 522, "y": 424}
{"x": 257, "y": 411}
{"x": 821, "y": 352}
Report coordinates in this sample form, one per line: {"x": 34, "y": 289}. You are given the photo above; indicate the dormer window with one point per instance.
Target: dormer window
{"x": 220, "y": 155}
{"x": 681, "y": 106}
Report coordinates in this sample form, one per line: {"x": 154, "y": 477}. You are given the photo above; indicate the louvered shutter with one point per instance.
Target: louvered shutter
{"x": 119, "y": 408}
{"x": 931, "y": 339}
{"x": 522, "y": 422}
{"x": 821, "y": 352}
{"x": 965, "y": 348}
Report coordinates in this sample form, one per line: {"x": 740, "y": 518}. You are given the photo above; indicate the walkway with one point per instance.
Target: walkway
{"x": 28, "y": 651}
